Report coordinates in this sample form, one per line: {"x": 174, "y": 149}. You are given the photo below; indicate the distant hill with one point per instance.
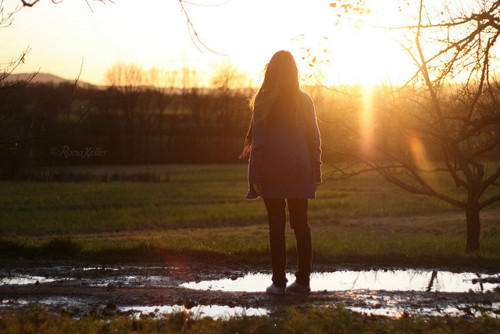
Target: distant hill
{"x": 44, "y": 78}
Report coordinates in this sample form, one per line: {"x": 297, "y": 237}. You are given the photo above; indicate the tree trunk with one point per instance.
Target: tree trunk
{"x": 473, "y": 228}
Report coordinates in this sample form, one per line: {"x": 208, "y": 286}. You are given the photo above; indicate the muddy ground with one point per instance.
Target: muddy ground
{"x": 80, "y": 288}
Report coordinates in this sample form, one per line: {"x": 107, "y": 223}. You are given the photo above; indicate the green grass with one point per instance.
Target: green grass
{"x": 202, "y": 197}
{"x": 251, "y": 246}
{"x": 202, "y": 211}
{"x": 328, "y": 320}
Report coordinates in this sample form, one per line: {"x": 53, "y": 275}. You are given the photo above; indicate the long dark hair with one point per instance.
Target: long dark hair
{"x": 281, "y": 81}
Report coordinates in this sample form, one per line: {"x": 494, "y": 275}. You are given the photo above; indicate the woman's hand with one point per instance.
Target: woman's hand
{"x": 258, "y": 189}
{"x": 246, "y": 148}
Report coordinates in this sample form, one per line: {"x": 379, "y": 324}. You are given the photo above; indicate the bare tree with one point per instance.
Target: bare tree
{"x": 226, "y": 76}
{"x": 126, "y": 82}
{"x": 162, "y": 84}
{"x": 192, "y": 95}
{"x": 445, "y": 120}
{"x": 7, "y": 68}
{"x": 229, "y": 82}
{"x": 12, "y": 135}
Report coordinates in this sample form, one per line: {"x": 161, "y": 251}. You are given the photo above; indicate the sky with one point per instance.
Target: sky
{"x": 155, "y": 33}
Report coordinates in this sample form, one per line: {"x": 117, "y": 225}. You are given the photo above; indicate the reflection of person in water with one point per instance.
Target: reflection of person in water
{"x": 285, "y": 159}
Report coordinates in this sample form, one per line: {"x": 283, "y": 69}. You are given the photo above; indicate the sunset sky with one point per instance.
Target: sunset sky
{"x": 155, "y": 33}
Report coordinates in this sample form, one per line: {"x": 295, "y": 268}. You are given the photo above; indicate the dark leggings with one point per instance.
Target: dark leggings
{"x": 298, "y": 220}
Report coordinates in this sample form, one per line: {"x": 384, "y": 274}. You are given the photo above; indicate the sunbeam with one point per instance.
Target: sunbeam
{"x": 366, "y": 122}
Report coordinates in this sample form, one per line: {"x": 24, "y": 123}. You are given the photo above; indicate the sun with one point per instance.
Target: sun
{"x": 364, "y": 53}
{"x": 365, "y": 56}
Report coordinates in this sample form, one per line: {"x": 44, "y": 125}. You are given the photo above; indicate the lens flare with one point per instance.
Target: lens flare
{"x": 419, "y": 153}
{"x": 366, "y": 122}
{"x": 421, "y": 158}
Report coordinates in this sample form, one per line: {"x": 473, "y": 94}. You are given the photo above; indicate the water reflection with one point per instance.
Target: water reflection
{"x": 458, "y": 310}
{"x": 376, "y": 292}
{"x": 23, "y": 280}
{"x": 389, "y": 280}
{"x": 197, "y": 312}
{"x": 129, "y": 281}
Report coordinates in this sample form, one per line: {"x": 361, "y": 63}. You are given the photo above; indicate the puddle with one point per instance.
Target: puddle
{"x": 59, "y": 301}
{"x": 124, "y": 288}
{"x": 197, "y": 312}
{"x": 90, "y": 276}
{"x": 387, "y": 280}
{"x": 213, "y": 311}
{"x": 386, "y": 311}
{"x": 450, "y": 311}
{"x": 95, "y": 268}
{"x": 129, "y": 281}
{"x": 24, "y": 280}
{"x": 422, "y": 304}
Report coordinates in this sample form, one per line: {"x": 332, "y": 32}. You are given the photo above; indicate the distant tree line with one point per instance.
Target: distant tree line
{"x": 133, "y": 121}
{"x": 146, "y": 123}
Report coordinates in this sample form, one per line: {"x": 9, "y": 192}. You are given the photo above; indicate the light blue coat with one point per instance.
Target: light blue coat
{"x": 285, "y": 160}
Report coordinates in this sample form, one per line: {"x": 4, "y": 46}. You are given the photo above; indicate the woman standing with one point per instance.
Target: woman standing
{"x": 285, "y": 160}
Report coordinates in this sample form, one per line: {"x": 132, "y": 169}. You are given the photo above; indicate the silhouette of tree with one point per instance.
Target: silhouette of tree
{"x": 450, "y": 107}
{"x": 126, "y": 86}
{"x": 36, "y": 130}
{"x": 162, "y": 86}
{"x": 192, "y": 95}
{"x": 7, "y": 68}
{"x": 229, "y": 82}
{"x": 226, "y": 76}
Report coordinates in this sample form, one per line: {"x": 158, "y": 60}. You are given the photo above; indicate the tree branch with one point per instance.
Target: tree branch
{"x": 489, "y": 201}
{"x": 192, "y": 31}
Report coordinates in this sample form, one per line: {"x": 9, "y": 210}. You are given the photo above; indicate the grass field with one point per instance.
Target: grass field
{"x": 201, "y": 211}
{"x": 335, "y": 320}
